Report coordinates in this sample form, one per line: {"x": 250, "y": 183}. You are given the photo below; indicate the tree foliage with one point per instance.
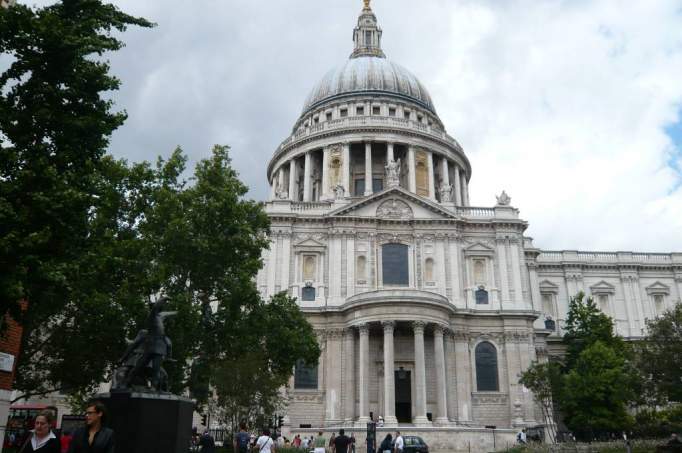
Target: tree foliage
{"x": 544, "y": 380}
{"x": 660, "y": 355}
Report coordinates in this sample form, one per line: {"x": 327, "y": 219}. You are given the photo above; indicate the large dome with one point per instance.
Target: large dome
{"x": 369, "y": 74}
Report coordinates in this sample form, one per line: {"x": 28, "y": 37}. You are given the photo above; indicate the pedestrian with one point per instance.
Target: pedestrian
{"x": 320, "y": 443}
{"x": 331, "y": 442}
{"x": 297, "y": 441}
{"x": 94, "y": 437}
{"x": 341, "y": 442}
{"x": 242, "y": 439}
{"x": 65, "y": 441}
{"x": 352, "y": 443}
{"x": 521, "y": 436}
{"x": 386, "y": 444}
{"x": 42, "y": 439}
{"x": 304, "y": 443}
{"x": 265, "y": 443}
{"x": 399, "y": 442}
{"x": 207, "y": 443}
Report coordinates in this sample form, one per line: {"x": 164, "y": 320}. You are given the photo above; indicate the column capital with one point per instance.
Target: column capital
{"x": 363, "y": 328}
{"x": 439, "y": 329}
{"x": 388, "y": 326}
{"x": 418, "y": 327}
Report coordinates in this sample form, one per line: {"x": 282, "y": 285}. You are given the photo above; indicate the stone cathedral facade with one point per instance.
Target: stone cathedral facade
{"x": 426, "y": 308}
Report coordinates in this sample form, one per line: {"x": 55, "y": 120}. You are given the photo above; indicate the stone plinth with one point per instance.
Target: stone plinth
{"x": 149, "y": 422}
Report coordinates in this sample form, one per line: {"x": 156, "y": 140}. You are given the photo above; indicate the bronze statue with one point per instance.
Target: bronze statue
{"x": 141, "y": 368}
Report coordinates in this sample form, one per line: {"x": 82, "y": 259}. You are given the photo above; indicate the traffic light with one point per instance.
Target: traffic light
{"x": 280, "y": 421}
{"x": 204, "y": 420}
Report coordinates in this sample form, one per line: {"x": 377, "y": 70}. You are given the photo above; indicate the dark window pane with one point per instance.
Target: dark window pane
{"x": 486, "y": 367}
{"x": 481, "y": 296}
{"x": 359, "y": 187}
{"x": 308, "y": 293}
{"x": 377, "y": 185}
{"x": 305, "y": 377}
{"x": 395, "y": 264}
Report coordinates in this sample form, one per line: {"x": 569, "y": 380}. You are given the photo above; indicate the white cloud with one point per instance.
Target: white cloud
{"x": 561, "y": 103}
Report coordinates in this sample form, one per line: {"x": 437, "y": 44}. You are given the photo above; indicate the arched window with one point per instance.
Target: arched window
{"x": 428, "y": 270}
{"x": 395, "y": 267}
{"x": 486, "y": 368}
{"x": 305, "y": 377}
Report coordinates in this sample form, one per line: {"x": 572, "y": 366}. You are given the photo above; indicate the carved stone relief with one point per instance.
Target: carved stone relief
{"x": 394, "y": 209}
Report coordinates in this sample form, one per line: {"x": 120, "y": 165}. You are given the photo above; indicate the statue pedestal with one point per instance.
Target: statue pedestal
{"x": 149, "y": 422}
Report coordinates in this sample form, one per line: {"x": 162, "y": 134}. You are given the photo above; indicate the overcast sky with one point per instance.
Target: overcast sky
{"x": 573, "y": 107}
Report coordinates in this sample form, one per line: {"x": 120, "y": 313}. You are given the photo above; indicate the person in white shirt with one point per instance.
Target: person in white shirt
{"x": 265, "y": 444}
{"x": 399, "y": 442}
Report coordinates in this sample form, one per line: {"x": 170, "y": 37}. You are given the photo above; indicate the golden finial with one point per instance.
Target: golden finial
{"x": 367, "y": 3}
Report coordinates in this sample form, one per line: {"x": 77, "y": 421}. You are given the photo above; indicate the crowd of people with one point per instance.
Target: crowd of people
{"x": 94, "y": 437}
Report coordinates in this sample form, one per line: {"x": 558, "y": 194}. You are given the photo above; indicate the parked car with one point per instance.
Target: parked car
{"x": 415, "y": 444}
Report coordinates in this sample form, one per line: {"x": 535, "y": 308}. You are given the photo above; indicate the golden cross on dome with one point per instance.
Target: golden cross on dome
{"x": 367, "y": 3}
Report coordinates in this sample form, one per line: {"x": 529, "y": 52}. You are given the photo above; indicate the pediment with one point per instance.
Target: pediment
{"x": 548, "y": 287}
{"x": 395, "y": 204}
{"x": 603, "y": 287}
{"x": 309, "y": 244}
{"x": 658, "y": 288}
{"x": 479, "y": 249}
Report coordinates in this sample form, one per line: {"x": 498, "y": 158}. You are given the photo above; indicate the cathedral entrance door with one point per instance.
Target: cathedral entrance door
{"x": 403, "y": 396}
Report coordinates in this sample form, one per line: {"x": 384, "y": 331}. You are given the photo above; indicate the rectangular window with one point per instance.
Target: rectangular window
{"x": 391, "y": 111}
{"x": 377, "y": 185}
{"x": 376, "y": 110}
{"x": 359, "y": 187}
{"x": 343, "y": 113}
{"x": 407, "y": 114}
{"x": 329, "y": 116}
{"x": 308, "y": 293}
{"x": 305, "y": 377}
{"x": 481, "y": 297}
{"x": 368, "y": 38}
{"x": 360, "y": 111}
{"x": 395, "y": 264}
{"x": 316, "y": 120}
{"x": 420, "y": 118}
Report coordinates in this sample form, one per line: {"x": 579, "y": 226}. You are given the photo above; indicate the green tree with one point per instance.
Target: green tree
{"x": 597, "y": 391}
{"x": 660, "y": 355}
{"x": 275, "y": 336}
{"x": 545, "y": 380}
{"x": 54, "y": 129}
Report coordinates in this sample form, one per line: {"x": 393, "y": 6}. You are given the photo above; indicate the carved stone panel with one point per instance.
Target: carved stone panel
{"x": 394, "y": 209}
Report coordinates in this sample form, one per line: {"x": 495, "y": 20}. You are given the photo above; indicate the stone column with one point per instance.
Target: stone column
{"x": 465, "y": 191}
{"x": 463, "y": 364}
{"x": 363, "y": 374}
{"x": 432, "y": 173}
{"x": 280, "y": 178}
{"x": 293, "y": 190}
{"x": 419, "y": 418}
{"x": 349, "y": 374}
{"x": 325, "y": 192}
{"x": 307, "y": 192}
{"x": 368, "y": 168}
{"x": 412, "y": 170}
{"x": 445, "y": 174}
{"x": 273, "y": 188}
{"x": 345, "y": 167}
{"x": 458, "y": 187}
{"x": 389, "y": 152}
{"x": 389, "y": 375}
{"x": 441, "y": 388}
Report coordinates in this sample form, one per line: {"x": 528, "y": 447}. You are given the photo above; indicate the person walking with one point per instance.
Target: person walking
{"x": 331, "y": 442}
{"x": 207, "y": 443}
{"x": 265, "y": 444}
{"x": 242, "y": 439}
{"x": 94, "y": 437}
{"x": 320, "y": 443}
{"x": 399, "y": 442}
{"x": 386, "y": 444}
{"x": 341, "y": 442}
{"x": 42, "y": 439}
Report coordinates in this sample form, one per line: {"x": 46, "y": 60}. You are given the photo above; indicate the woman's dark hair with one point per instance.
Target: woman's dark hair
{"x": 100, "y": 408}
